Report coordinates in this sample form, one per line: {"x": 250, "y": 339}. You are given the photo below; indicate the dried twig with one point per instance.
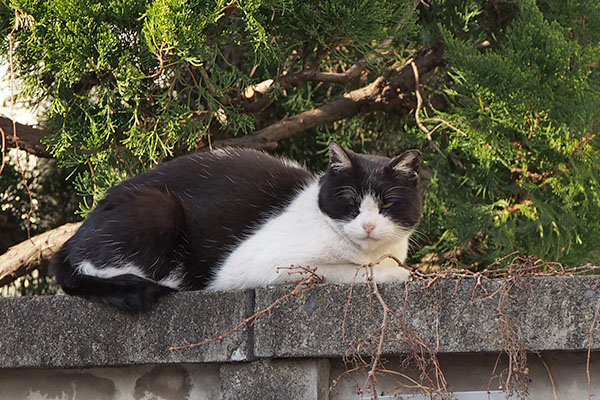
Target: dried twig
{"x": 3, "y": 146}
{"x": 421, "y": 122}
{"x": 376, "y": 358}
{"x": 442, "y": 122}
{"x": 549, "y": 376}
{"x": 348, "y": 302}
{"x": 303, "y": 286}
{"x": 418, "y": 110}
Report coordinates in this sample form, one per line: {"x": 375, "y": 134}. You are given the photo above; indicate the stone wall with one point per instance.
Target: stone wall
{"x": 61, "y": 347}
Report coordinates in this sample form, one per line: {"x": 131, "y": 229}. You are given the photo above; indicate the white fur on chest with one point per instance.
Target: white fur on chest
{"x": 303, "y": 236}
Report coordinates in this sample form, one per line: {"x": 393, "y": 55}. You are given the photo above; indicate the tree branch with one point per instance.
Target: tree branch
{"x": 347, "y": 106}
{"x": 382, "y": 93}
{"x": 312, "y": 74}
{"x": 297, "y": 78}
{"x": 29, "y": 255}
{"x": 391, "y": 91}
{"x": 30, "y": 138}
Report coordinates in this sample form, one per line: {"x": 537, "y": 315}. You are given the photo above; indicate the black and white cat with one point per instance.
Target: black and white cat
{"x": 228, "y": 219}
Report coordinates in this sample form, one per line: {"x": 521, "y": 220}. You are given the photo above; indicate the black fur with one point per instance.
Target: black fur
{"x": 187, "y": 212}
{"x": 128, "y": 293}
{"x": 342, "y": 189}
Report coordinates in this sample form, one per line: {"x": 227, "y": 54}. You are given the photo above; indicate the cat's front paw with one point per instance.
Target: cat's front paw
{"x": 392, "y": 273}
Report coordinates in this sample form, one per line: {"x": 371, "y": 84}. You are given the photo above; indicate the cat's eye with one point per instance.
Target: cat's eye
{"x": 387, "y": 205}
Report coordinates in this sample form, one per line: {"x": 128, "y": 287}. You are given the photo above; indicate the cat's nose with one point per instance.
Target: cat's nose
{"x": 368, "y": 227}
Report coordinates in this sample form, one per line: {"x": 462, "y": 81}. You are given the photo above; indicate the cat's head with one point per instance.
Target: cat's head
{"x": 373, "y": 200}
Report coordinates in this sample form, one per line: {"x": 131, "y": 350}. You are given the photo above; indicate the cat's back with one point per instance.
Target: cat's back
{"x": 170, "y": 226}
{"x": 226, "y": 193}
{"x": 223, "y": 172}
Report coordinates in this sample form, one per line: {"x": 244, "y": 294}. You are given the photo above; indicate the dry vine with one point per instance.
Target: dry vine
{"x": 419, "y": 354}
{"x": 302, "y": 286}
{"x": 366, "y": 353}
{"x": 514, "y": 379}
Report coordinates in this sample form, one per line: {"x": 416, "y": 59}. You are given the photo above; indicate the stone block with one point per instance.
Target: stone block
{"x": 164, "y": 382}
{"x": 67, "y": 332}
{"x": 276, "y": 379}
{"x": 449, "y": 316}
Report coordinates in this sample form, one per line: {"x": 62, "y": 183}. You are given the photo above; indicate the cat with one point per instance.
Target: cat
{"x": 230, "y": 218}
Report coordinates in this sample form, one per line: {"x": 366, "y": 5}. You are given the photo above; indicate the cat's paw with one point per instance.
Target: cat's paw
{"x": 392, "y": 273}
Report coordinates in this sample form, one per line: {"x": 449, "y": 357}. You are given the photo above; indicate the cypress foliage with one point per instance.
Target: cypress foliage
{"x": 526, "y": 172}
{"x": 515, "y": 165}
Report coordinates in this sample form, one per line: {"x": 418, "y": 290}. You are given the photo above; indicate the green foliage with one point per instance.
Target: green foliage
{"x": 132, "y": 83}
{"x": 525, "y": 175}
{"x": 53, "y": 203}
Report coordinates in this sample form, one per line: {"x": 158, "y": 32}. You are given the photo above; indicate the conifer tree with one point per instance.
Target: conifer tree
{"x": 502, "y": 98}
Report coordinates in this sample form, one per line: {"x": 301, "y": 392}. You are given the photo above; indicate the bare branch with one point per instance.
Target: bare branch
{"x": 306, "y": 284}
{"x": 337, "y": 77}
{"x": 27, "y": 256}
{"x": 296, "y": 79}
{"x": 418, "y": 110}
{"x": 313, "y": 75}
{"x": 29, "y": 139}
{"x": 330, "y": 77}
{"x": 347, "y": 106}
{"x": 303, "y": 76}
{"x": 380, "y": 94}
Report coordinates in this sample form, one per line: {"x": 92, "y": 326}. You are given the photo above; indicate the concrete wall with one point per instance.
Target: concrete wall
{"x": 62, "y": 347}
{"x": 285, "y": 379}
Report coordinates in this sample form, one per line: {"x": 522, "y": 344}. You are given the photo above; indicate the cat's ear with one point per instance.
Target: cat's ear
{"x": 339, "y": 159}
{"x": 407, "y": 163}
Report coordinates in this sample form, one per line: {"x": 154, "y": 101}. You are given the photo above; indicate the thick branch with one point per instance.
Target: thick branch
{"x": 338, "y": 77}
{"x": 347, "y": 106}
{"x": 386, "y": 92}
{"x": 296, "y": 79}
{"x": 30, "y": 138}
{"x": 382, "y": 93}
{"x": 27, "y": 256}
{"x": 312, "y": 74}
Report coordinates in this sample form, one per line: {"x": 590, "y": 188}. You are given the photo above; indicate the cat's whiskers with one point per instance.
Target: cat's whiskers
{"x": 394, "y": 188}
{"x": 416, "y": 239}
{"x": 344, "y": 191}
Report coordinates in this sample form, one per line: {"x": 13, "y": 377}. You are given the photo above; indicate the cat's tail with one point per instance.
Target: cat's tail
{"x": 126, "y": 292}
